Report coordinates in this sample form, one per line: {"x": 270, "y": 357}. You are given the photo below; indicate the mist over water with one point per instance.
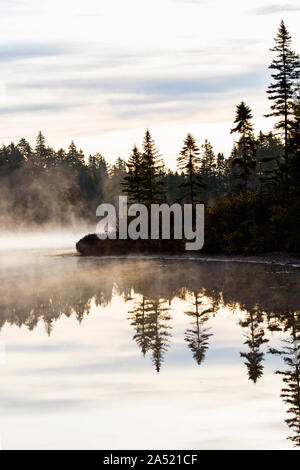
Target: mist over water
{"x": 162, "y": 353}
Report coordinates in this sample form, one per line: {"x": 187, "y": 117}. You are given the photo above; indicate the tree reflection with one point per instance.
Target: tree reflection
{"x": 290, "y": 393}
{"x": 140, "y": 320}
{"x": 255, "y": 337}
{"x": 70, "y": 289}
{"x": 197, "y": 336}
{"x": 151, "y": 322}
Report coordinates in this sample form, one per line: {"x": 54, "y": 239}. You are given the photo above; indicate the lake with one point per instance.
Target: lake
{"x": 154, "y": 353}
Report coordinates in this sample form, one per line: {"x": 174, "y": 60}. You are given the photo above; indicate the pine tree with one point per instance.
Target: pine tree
{"x": 268, "y": 150}
{"x": 220, "y": 173}
{"x": 208, "y": 160}
{"x": 189, "y": 162}
{"x": 133, "y": 181}
{"x": 73, "y": 158}
{"x": 11, "y": 159}
{"x": 40, "y": 150}
{"x": 245, "y": 158}
{"x": 81, "y": 157}
{"x": 287, "y": 71}
{"x": 208, "y": 167}
{"x": 61, "y": 156}
{"x": 295, "y": 144}
{"x": 117, "y": 173}
{"x": 98, "y": 170}
{"x": 153, "y": 189}
{"x": 174, "y": 182}
{"x": 25, "y": 148}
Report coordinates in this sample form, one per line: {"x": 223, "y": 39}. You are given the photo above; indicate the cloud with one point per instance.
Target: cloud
{"x": 267, "y": 10}
{"x": 200, "y": 2}
{"x": 33, "y": 108}
{"x": 19, "y": 405}
{"x": 167, "y": 87}
{"x": 24, "y": 51}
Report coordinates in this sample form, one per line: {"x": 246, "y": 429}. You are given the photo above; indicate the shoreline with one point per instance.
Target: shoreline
{"x": 284, "y": 259}
{"x": 92, "y": 246}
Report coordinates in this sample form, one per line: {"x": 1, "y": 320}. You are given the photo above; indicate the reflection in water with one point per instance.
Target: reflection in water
{"x": 267, "y": 298}
{"x": 197, "y": 337}
{"x": 150, "y": 319}
{"x": 291, "y": 391}
{"x": 255, "y": 337}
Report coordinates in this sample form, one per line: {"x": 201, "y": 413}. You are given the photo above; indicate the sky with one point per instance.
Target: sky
{"x": 101, "y": 72}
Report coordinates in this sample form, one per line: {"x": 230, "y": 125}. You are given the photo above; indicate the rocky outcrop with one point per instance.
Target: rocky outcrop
{"x": 91, "y": 245}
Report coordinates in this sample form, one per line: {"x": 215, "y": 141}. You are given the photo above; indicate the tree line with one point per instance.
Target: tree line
{"x": 256, "y": 186}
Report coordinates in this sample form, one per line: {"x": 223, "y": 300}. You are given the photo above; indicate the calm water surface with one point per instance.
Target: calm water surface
{"x": 153, "y": 353}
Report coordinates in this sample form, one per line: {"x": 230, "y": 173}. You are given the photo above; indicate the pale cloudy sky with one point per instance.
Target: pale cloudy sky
{"x": 100, "y": 72}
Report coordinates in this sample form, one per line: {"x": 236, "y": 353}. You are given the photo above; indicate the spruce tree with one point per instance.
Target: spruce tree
{"x": 189, "y": 162}
{"x": 220, "y": 173}
{"x": 152, "y": 185}
{"x": 208, "y": 167}
{"x": 245, "y": 157}
{"x": 73, "y": 157}
{"x": 25, "y": 148}
{"x": 268, "y": 151}
{"x": 117, "y": 173}
{"x": 133, "y": 181}
{"x": 295, "y": 145}
{"x": 98, "y": 169}
{"x": 40, "y": 150}
{"x": 286, "y": 68}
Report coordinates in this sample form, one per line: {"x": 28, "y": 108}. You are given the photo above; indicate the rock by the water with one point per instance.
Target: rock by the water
{"x": 91, "y": 245}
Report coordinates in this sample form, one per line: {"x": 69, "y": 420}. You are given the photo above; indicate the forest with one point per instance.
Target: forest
{"x": 251, "y": 197}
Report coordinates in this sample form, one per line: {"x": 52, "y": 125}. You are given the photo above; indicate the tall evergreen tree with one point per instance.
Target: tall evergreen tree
{"x": 286, "y": 68}
{"x": 40, "y": 150}
{"x": 268, "y": 150}
{"x": 73, "y": 157}
{"x": 245, "y": 159}
{"x": 220, "y": 174}
{"x": 98, "y": 169}
{"x": 133, "y": 181}
{"x": 117, "y": 173}
{"x": 153, "y": 187}
{"x": 295, "y": 144}
{"x": 11, "y": 159}
{"x": 189, "y": 162}
{"x": 174, "y": 181}
{"x": 208, "y": 168}
{"x": 25, "y": 148}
